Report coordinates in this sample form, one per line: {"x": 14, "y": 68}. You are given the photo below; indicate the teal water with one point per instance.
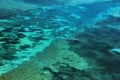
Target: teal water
{"x": 91, "y": 28}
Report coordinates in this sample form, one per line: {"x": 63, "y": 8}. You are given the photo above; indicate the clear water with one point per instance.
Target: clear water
{"x": 60, "y": 40}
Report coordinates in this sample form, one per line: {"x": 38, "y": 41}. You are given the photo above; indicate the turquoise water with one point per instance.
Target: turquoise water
{"x": 91, "y": 29}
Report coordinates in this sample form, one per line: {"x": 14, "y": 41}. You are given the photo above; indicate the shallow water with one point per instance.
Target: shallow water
{"x": 60, "y": 40}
